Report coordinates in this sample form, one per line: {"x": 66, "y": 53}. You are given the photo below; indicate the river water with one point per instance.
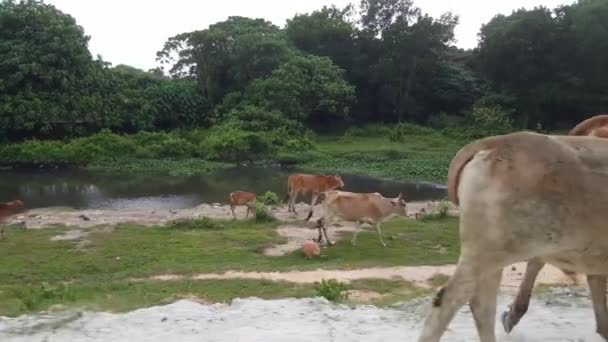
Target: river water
{"x": 101, "y": 190}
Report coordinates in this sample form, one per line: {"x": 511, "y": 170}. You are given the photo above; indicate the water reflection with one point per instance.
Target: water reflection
{"x": 90, "y": 190}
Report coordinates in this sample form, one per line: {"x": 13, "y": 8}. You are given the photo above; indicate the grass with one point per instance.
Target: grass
{"x": 34, "y": 271}
{"x": 423, "y": 155}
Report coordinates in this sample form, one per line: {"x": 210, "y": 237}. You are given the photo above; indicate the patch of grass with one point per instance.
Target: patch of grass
{"x": 120, "y": 296}
{"x": 28, "y": 258}
{"x": 332, "y": 290}
{"x": 392, "y": 291}
{"x": 438, "y": 279}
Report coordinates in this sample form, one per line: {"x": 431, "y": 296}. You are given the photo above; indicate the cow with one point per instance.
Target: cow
{"x": 242, "y": 198}
{"x": 8, "y": 209}
{"x": 315, "y": 184}
{"x": 371, "y": 208}
{"x": 522, "y": 196}
{"x": 595, "y": 126}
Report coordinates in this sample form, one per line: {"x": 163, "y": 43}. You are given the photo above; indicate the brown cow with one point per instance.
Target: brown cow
{"x": 522, "y": 196}
{"x": 242, "y": 198}
{"x": 372, "y": 208}
{"x": 315, "y": 184}
{"x": 594, "y": 126}
{"x": 8, "y": 209}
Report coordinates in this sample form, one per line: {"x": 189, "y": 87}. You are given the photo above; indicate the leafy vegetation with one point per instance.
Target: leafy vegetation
{"x": 332, "y": 290}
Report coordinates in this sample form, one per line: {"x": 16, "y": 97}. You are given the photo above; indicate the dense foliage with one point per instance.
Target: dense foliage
{"x": 258, "y": 90}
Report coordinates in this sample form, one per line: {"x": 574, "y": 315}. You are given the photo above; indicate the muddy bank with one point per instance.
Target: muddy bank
{"x": 293, "y": 320}
{"x": 64, "y": 216}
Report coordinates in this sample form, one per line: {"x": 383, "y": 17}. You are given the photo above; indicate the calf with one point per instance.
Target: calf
{"x": 8, "y": 209}
{"x": 314, "y": 184}
{"x": 242, "y": 198}
{"x": 372, "y": 208}
{"x": 522, "y": 196}
{"x": 595, "y": 126}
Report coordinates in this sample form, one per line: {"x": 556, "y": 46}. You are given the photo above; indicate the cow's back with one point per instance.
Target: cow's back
{"x": 310, "y": 183}
{"x": 353, "y": 206}
{"x": 541, "y": 186}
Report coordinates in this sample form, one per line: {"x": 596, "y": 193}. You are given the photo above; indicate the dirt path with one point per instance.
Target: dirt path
{"x": 418, "y": 275}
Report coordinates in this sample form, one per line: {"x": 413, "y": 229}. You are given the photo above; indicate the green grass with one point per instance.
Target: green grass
{"x": 421, "y": 156}
{"x": 100, "y": 275}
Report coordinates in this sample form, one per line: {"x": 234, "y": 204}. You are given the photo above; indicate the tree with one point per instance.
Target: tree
{"x": 412, "y": 57}
{"x": 44, "y": 66}
{"x": 226, "y": 56}
{"x": 305, "y": 88}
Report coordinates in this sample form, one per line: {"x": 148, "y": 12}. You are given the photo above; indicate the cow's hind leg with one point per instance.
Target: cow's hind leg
{"x": 327, "y": 237}
{"x": 233, "y": 213}
{"x": 519, "y": 307}
{"x": 597, "y": 288}
{"x": 458, "y": 290}
{"x": 320, "y": 225}
{"x": 312, "y": 205}
{"x": 483, "y": 305}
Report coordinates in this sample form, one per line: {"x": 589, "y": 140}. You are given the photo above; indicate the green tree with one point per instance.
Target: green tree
{"x": 226, "y": 56}
{"x": 305, "y": 88}
{"x": 44, "y": 66}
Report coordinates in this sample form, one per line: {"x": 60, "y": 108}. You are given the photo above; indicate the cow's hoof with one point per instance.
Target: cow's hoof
{"x": 507, "y": 324}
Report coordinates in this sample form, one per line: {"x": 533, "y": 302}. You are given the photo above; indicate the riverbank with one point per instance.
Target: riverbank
{"x": 421, "y": 154}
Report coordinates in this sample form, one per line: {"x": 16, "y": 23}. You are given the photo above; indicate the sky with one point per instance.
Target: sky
{"x": 132, "y": 31}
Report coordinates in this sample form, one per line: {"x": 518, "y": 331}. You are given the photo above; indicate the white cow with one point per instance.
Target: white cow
{"x": 522, "y": 196}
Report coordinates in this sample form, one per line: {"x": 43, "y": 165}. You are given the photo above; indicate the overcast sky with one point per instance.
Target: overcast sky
{"x": 131, "y": 31}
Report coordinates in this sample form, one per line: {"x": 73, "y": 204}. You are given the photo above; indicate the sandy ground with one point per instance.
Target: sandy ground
{"x": 417, "y": 275}
{"x": 290, "y": 320}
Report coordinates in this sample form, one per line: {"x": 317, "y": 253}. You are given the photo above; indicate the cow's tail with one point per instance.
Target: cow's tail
{"x": 320, "y": 199}
{"x": 462, "y": 158}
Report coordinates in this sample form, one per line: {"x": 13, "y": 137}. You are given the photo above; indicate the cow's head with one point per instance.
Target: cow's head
{"x": 399, "y": 205}
{"x": 338, "y": 180}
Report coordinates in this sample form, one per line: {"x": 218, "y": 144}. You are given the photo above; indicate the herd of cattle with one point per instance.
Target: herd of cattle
{"x": 372, "y": 208}
{"x": 521, "y": 196}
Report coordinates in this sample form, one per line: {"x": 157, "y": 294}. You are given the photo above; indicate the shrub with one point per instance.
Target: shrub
{"x": 269, "y": 198}
{"x": 174, "y": 148}
{"x": 229, "y": 144}
{"x": 332, "y": 290}
{"x": 402, "y": 130}
{"x": 262, "y": 214}
{"x": 489, "y": 120}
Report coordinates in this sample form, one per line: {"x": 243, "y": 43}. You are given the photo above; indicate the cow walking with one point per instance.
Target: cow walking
{"x": 315, "y": 184}
{"x": 371, "y": 208}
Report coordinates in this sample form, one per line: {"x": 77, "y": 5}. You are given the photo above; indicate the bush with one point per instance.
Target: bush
{"x": 332, "y": 290}
{"x": 374, "y": 130}
{"x": 104, "y": 144}
{"x": 262, "y": 214}
{"x": 269, "y": 198}
{"x": 174, "y": 148}
{"x": 402, "y": 130}
{"x": 489, "y": 120}
{"x": 230, "y": 144}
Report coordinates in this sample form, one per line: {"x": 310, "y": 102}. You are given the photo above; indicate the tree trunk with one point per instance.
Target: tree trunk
{"x": 405, "y": 98}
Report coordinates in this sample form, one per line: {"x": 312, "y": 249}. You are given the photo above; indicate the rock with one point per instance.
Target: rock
{"x": 310, "y": 249}
{"x": 84, "y": 217}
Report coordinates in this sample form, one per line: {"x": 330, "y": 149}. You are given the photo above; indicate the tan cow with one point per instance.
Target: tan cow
{"x": 371, "y": 208}
{"x": 594, "y": 126}
{"x": 522, "y": 196}
{"x": 314, "y": 184}
{"x": 242, "y": 198}
{"x": 8, "y": 209}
